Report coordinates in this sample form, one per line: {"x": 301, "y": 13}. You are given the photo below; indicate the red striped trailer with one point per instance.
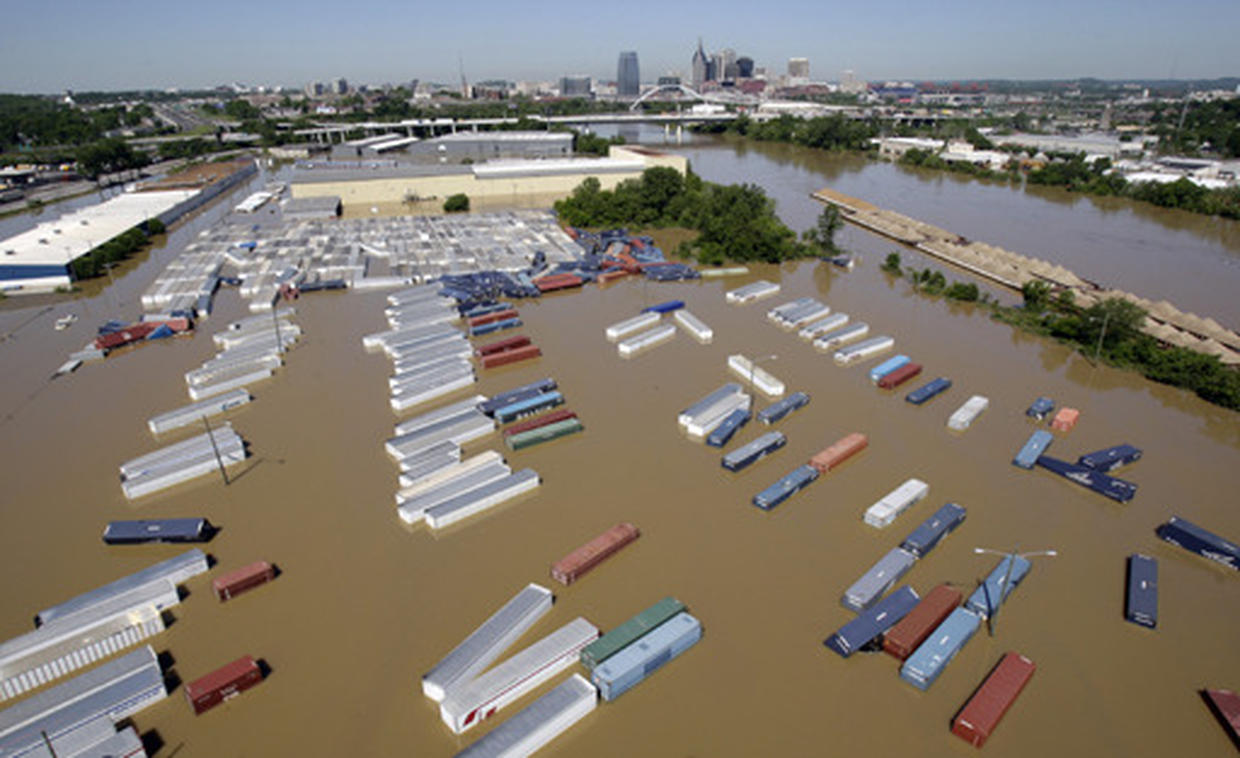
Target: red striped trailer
{"x": 240, "y": 580}
{"x": 899, "y": 376}
{"x": 222, "y": 684}
{"x": 558, "y": 282}
{"x": 501, "y": 345}
{"x": 547, "y": 418}
{"x": 572, "y": 566}
{"x": 488, "y": 318}
{"x": 979, "y": 717}
{"x": 504, "y": 357}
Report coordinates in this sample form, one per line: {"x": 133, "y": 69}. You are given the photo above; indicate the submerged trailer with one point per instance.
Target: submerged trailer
{"x": 695, "y": 326}
{"x": 720, "y": 435}
{"x": 176, "y": 570}
{"x": 528, "y": 406}
{"x": 864, "y": 350}
{"x": 688, "y": 414}
{"x": 865, "y": 630}
{"x": 925, "y": 537}
{"x": 927, "y": 662}
{"x": 1205, "y": 543}
{"x": 158, "y": 530}
{"x": 881, "y": 577}
{"x": 655, "y": 336}
{"x": 488, "y": 641}
{"x": 631, "y": 325}
{"x": 792, "y": 482}
{"x": 194, "y": 413}
{"x": 906, "y": 636}
{"x": 1108, "y": 486}
{"x": 839, "y": 451}
{"x": 751, "y": 292}
{"x": 706, "y": 421}
{"x": 1110, "y": 458}
{"x": 814, "y": 329}
{"x": 754, "y": 451}
{"x": 928, "y": 390}
{"x": 888, "y": 366}
{"x": 841, "y": 337}
{"x": 582, "y": 560}
{"x": 473, "y": 701}
{"x": 430, "y": 417}
{"x": 758, "y": 377}
{"x": 776, "y": 411}
{"x": 1040, "y": 408}
{"x": 1004, "y": 578}
{"x": 1141, "y": 598}
{"x": 891, "y": 505}
{"x": 538, "y": 723}
{"x": 517, "y": 393}
{"x": 635, "y": 663}
{"x": 629, "y": 632}
{"x": 964, "y": 416}
{"x": 977, "y": 720}
{"x": 1029, "y": 453}
{"x": 227, "y": 586}
{"x": 481, "y": 499}
{"x": 224, "y": 683}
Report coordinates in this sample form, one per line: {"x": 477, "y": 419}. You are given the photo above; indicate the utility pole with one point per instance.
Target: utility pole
{"x": 1007, "y": 577}
{"x": 218, "y": 460}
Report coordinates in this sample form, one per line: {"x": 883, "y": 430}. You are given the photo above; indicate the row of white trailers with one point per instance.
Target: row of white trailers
{"x": 646, "y": 330}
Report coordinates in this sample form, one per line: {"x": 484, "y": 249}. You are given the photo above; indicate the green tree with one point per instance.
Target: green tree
{"x": 823, "y": 233}
{"x": 456, "y": 203}
{"x": 1036, "y": 294}
{"x": 1111, "y": 322}
{"x": 892, "y": 264}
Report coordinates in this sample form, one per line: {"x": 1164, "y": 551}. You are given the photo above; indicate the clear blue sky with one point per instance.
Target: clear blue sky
{"x": 120, "y": 44}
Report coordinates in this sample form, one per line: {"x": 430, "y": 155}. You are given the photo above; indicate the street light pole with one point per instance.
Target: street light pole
{"x": 1007, "y": 576}
{"x": 753, "y": 367}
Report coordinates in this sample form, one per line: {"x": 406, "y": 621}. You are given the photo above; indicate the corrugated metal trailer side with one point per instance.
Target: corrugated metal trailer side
{"x": 580, "y": 561}
{"x": 538, "y": 723}
{"x": 906, "y": 636}
{"x": 881, "y": 577}
{"x": 485, "y": 497}
{"x": 987, "y": 598}
{"x": 629, "y": 632}
{"x": 873, "y": 623}
{"x": 979, "y": 717}
{"x": 189, "y": 564}
{"x": 930, "y": 532}
{"x": 1201, "y": 541}
{"x": 224, "y": 683}
{"x": 630, "y": 666}
{"x": 927, "y": 662}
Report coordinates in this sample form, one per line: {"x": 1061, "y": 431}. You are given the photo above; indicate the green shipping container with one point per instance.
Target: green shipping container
{"x": 543, "y": 434}
{"x": 629, "y": 632}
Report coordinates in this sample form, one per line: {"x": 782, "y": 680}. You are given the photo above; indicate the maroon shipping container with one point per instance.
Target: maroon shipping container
{"x": 570, "y": 567}
{"x": 899, "y": 376}
{"x": 245, "y": 578}
{"x": 487, "y": 318}
{"x": 131, "y": 333}
{"x": 501, "y": 345}
{"x": 1226, "y": 707}
{"x": 839, "y": 452}
{"x": 505, "y": 357}
{"x": 979, "y": 717}
{"x": 537, "y": 421}
{"x": 612, "y": 275}
{"x": 223, "y": 683}
{"x": 558, "y": 282}
{"x": 912, "y": 630}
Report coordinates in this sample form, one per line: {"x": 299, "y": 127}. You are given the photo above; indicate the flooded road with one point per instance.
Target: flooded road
{"x": 365, "y": 605}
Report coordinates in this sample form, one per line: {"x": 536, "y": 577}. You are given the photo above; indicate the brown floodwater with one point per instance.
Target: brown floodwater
{"x": 364, "y": 605}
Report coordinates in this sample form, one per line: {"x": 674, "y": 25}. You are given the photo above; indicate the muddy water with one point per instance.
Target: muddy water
{"x": 364, "y": 605}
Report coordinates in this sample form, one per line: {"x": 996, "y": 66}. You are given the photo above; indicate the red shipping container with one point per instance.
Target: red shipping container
{"x": 547, "y": 418}
{"x": 569, "y": 568}
{"x": 131, "y": 333}
{"x": 504, "y": 357}
{"x": 240, "y": 580}
{"x": 552, "y": 283}
{"x": 222, "y": 684}
{"x": 839, "y": 452}
{"x": 899, "y": 376}
{"x": 487, "y": 318}
{"x": 912, "y": 630}
{"x": 501, "y": 345}
{"x": 1226, "y": 707}
{"x": 979, "y": 717}
{"x": 612, "y": 275}
{"x": 1065, "y": 419}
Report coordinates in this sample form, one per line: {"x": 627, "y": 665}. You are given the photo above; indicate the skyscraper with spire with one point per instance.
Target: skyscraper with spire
{"x": 700, "y": 67}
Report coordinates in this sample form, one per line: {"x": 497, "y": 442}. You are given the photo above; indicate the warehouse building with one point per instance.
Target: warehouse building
{"x": 486, "y": 146}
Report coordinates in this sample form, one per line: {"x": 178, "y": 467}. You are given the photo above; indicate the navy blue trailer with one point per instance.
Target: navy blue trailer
{"x": 1207, "y": 544}
{"x": 796, "y": 480}
{"x": 158, "y": 530}
{"x": 720, "y": 435}
{"x": 1116, "y": 489}
{"x": 668, "y": 307}
{"x": 1141, "y": 602}
{"x": 752, "y": 452}
{"x": 1041, "y": 408}
{"x": 517, "y": 393}
{"x": 924, "y": 538}
{"x": 928, "y": 390}
{"x": 865, "y": 630}
{"x": 1110, "y": 458}
{"x": 776, "y": 411}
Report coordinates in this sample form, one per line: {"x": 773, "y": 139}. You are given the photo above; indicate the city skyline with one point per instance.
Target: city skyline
{"x": 83, "y": 46}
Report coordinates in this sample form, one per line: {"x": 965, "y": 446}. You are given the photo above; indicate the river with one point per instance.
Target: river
{"x": 364, "y": 606}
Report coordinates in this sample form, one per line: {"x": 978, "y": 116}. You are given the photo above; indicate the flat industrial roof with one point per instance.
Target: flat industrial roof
{"x": 501, "y": 136}
{"x": 392, "y": 144}
{"x": 323, "y": 173}
{"x": 502, "y": 169}
{"x": 76, "y": 233}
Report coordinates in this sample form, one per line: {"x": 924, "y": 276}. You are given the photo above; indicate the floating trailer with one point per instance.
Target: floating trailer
{"x": 1040, "y": 408}
{"x": 906, "y": 636}
{"x": 863, "y": 350}
{"x": 571, "y": 567}
{"x": 176, "y": 570}
{"x": 482, "y": 309}
{"x": 802, "y": 316}
{"x": 776, "y": 411}
{"x": 841, "y": 337}
{"x": 899, "y": 376}
{"x": 635, "y": 663}
{"x": 528, "y": 406}
{"x": 694, "y": 326}
{"x": 440, "y": 450}
{"x": 1225, "y": 705}
{"x": 1029, "y": 453}
{"x": 443, "y": 369}
{"x": 976, "y": 721}
{"x": 83, "y": 709}
{"x": 758, "y": 377}
{"x": 667, "y": 307}
{"x": 822, "y": 326}
{"x": 720, "y": 435}
{"x": 1065, "y": 419}
{"x": 751, "y": 292}
{"x": 469, "y": 703}
{"x": 447, "y": 473}
{"x": 227, "y": 586}
{"x": 1117, "y": 489}
{"x": 192, "y": 414}
{"x": 927, "y": 536}
{"x": 511, "y": 343}
{"x": 385, "y": 339}
{"x": 513, "y": 395}
{"x": 881, "y": 577}
{"x": 204, "y": 391}
{"x": 929, "y": 390}
{"x": 224, "y": 683}
{"x": 487, "y": 318}
{"x": 839, "y": 451}
{"x": 697, "y": 409}
{"x": 629, "y": 632}
{"x": 713, "y": 273}
{"x": 158, "y": 530}
{"x": 795, "y": 481}
{"x": 464, "y": 427}
{"x": 412, "y": 509}
{"x": 420, "y": 467}
{"x": 631, "y": 326}
{"x": 488, "y": 641}
{"x": 539, "y": 421}
{"x": 655, "y": 336}
{"x": 777, "y": 313}
{"x": 494, "y": 326}
{"x": 706, "y": 421}
{"x": 754, "y": 451}
{"x": 538, "y": 723}
{"x": 927, "y": 662}
{"x": 965, "y": 415}
{"x": 230, "y": 452}
{"x": 1141, "y": 599}
{"x": 986, "y": 599}
{"x": 885, "y": 511}
{"x": 429, "y": 390}
{"x": 424, "y": 420}
{"x": 481, "y": 499}
{"x": 887, "y": 366}
{"x": 865, "y": 630}
{"x": 183, "y": 450}
{"x": 1193, "y": 538}
{"x": 544, "y": 433}
{"x": 1110, "y": 458}
{"x": 529, "y": 352}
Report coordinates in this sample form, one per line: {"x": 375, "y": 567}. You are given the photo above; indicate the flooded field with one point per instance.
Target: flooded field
{"x": 365, "y": 605}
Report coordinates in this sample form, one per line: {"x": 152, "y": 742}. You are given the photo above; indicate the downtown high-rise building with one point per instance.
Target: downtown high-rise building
{"x": 798, "y": 68}
{"x": 575, "y": 86}
{"x": 628, "y": 78}
{"x": 700, "y": 68}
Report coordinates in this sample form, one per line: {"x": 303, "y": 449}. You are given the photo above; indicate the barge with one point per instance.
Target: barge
{"x": 911, "y": 631}
{"x": 814, "y": 329}
{"x": 631, "y": 326}
{"x": 695, "y": 326}
{"x": 481, "y": 499}
{"x": 795, "y": 481}
{"x": 577, "y": 563}
{"x": 538, "y": 723}
{"x": 965, "y": 415}
{"x": 158, "y": 530}
{"x": 777, "y": 411}
{"x": 1033, "y": 448}
{"x": 635, "y": 663}
{"x": 1108, "y": 486}
{"x": 839, "y": 451}
{"x": 927, "y": 662}
{"x": 864, "y": 350}
{"x": 224, "y": 683}
{"x": 758, "y": 377}
{"x": 1110, "y": 458}
{"x": 1141, "y": 599}
{"x": 891, "y": 505}
{"x": 927, "y": 536}
{"x": 881, "y": 577}
{"x": 841, "y": 337}
{"x": 488, "y": 641}
{"x": 986, "y": 599}
{"x": 977, "y": 720}
{"x": 751, "y": 292}
{"x": 655, "y": 336}
{"x": 1205, "y": 543}
{"x": 864, "y": 631}
{"x": 720, "y": 435}
{"x": 929, "y": 390}
{"x": 754, "y": 451}
{"x": 629, "y": 632}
